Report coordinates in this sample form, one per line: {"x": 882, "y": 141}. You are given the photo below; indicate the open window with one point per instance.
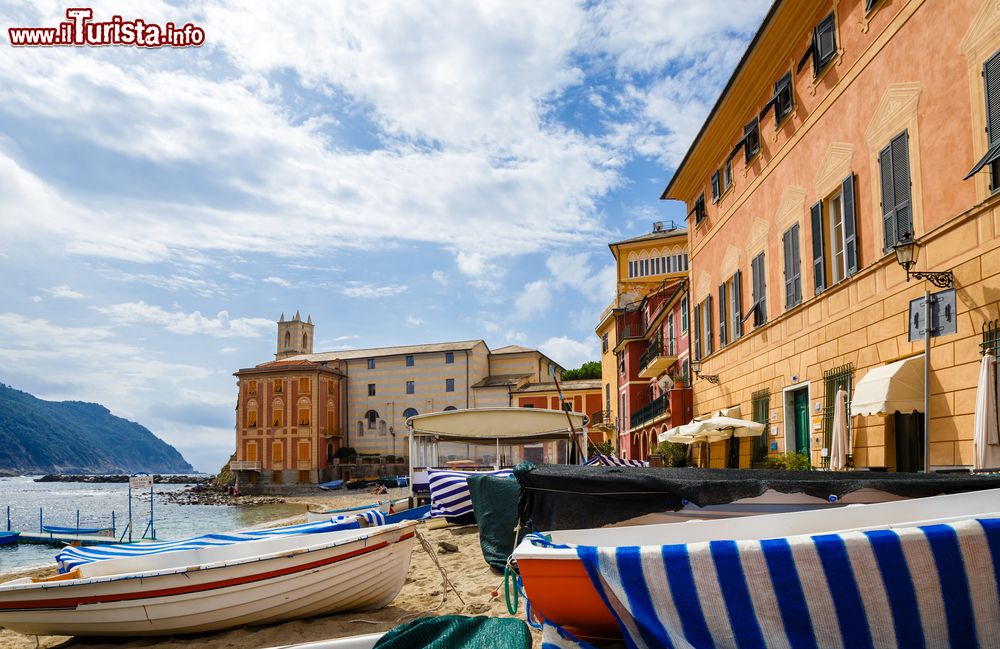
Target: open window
{"x": 897, "y": 211}
{"x": 781, "y": 101}
{"x": 991, "y": 161}
{"x": 793, "y": 267}
{"x": 730, "y": 320}
{"x": 758, "y": 272}
{"x": 699, "y": 209}
{"x": 823, "y": 46}
{"x": 834, "y": 237}
{"x": 749, "y": 143}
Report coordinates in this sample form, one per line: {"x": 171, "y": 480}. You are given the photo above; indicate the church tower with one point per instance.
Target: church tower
{"x": 294, "y": 336}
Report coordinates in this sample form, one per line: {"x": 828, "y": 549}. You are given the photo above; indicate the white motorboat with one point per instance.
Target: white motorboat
{"x": 217, "y": 587}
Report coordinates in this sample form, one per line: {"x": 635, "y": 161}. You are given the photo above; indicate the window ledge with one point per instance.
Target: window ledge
{"x": 835, "y": 61}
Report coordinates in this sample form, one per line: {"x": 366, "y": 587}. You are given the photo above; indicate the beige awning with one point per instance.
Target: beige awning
{"x": 508, "y": 425}
{"x": 896, "y": 387}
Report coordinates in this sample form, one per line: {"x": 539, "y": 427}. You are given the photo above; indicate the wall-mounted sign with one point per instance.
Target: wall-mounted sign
{"x": 943, "y": 318}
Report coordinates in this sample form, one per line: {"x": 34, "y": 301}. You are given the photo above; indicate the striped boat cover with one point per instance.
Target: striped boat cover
{"x": 610, "y": 460}
{"x": 73, "y": 557}
{"x": 931, "y": 586}
{"x": 450, "y": 491}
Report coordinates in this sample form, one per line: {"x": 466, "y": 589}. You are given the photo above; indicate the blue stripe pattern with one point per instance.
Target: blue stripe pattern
{"x": 74, "y": 557}
{"x": 450, "y": 495}
{"x": 644, "y": 585}
{"x": 788, "y": 591}
{"x": 954, "y": 585}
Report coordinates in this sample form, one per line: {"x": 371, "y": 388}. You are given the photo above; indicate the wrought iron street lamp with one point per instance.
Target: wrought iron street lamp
{"x": 696, "y": 368}
{"x": 907, "y": 250}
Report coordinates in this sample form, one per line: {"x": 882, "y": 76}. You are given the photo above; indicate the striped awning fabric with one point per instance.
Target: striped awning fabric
{"x": 450, "y": 495}
{"x": 926, "y": 586}
{"x": 73, "y": 557}
{"x": 610, "y": 460}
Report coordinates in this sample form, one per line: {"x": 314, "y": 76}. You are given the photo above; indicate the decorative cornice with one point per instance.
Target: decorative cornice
{"x": 835, "y": 167}
{"x": 896, "y": 108}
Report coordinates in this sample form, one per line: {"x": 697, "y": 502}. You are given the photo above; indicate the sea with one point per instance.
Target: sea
{"x": 60, "y": 501}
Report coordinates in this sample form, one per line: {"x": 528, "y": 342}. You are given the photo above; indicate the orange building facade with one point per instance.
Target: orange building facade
{"x": 847, "y": 125}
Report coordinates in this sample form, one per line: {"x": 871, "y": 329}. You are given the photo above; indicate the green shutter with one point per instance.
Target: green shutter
{"x": 722, "y": 315}
{"x": 850, "y": 227}
{"x": 819, "y": 263}
{"x": 738, "y": 301}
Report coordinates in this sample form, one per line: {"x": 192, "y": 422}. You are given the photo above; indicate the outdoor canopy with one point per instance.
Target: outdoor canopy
{"x": 712, "y": 429}
{"x": 507, "y": 425}
{"x": 896, "y": 387}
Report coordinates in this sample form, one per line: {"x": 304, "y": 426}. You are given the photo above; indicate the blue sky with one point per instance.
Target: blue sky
{"x": 403, "y": 171}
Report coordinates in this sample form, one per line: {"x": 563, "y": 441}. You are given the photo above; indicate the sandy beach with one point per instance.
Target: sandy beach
{"x": 420, "y": 596}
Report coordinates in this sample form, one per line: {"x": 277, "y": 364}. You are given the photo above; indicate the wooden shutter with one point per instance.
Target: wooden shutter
{"x": 819, "y": 265}
{"x": 761, "y": 297}
{"x": 991, "y": 77}
{"x": 786, "y": 246}
{"x": 738, "y": 301}
{"x": 716, "y": 187}
{"x": 697, "y": 331}
{"x": 901, "y": 184}
{"x": 889, "y": 234}
{"x": 796, "y": 265}
{"x": 708, "y": 325}
{"x": 850, "y": 227}
{"x": 722, "y": 315}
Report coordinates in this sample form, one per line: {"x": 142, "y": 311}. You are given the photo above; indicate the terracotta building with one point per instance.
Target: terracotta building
{"x": 644, "y": 341}
{"x": 846, "y": 126}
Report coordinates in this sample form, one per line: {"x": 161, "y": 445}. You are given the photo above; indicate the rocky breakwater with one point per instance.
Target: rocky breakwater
{"x": 122, "y": 477}
{"x": 210, "y": 493}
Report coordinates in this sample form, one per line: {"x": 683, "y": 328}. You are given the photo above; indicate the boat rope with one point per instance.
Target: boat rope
{"x": 508, "y": 572}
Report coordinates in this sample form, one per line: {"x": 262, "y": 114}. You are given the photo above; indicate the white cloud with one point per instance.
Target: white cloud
{"x": 277, "y": 281}
{"x": 368, "y": 290}
{"x": 229, "y": 350}
{"x": 343, "y": 338}
{"x": 64, "y": 292}
{"x": 534, "y": 299}
{"x": 414, "y": 321}
{"x": 513, "y": 336}
{"x": 221, "y": 326}
{"x": 440, "y": 278}
{"x": 570, "y": 353}
{"x": 574, "y": 271}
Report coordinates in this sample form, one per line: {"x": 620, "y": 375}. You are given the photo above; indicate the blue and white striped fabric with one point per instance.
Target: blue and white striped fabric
{"x": 450, "y": 490}
{"x": 73, "y": 557}
{"x": 931, "y": 586}
{"x": 610, "y": 460}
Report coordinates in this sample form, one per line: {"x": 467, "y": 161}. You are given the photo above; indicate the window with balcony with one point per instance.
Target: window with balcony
{"x": 991, "y": 161}
{"x": 409, "y": 387}
{"x": 670, "y": 335}
{"x": 303, "y": 416}
{"x": 251, "y": 419}
{"x": 834, "y": 237}
{"x": 278, "y": 418}
{"x": 894, "y": 173}
{"x": 823, "y": 46}
{"x": 793, "y": 267}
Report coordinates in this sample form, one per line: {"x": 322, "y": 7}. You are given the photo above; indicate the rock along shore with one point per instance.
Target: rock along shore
{"x": 157, "y": 479}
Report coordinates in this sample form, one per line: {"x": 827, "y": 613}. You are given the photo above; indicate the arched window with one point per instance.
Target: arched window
{"x": 372, "y": 417}
{"x": 410, "y": 412}
{"x": 305, "y": 342}
{"x": 288, "y": 339}
{"x": 450, "y": 408}
{"x": 329, "y": 451}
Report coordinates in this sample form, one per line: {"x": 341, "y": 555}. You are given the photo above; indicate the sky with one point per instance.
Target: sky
{"x": 405, "y": 172}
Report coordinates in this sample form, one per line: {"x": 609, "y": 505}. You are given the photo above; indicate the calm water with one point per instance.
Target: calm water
{"x": 61, "y": 500}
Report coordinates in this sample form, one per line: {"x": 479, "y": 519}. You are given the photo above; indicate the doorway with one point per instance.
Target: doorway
{"x": 797, "y": 419}
{"x": 909, "y": 433}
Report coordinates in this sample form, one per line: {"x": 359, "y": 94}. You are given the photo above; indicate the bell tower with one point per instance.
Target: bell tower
{"x": 295, "y": 337}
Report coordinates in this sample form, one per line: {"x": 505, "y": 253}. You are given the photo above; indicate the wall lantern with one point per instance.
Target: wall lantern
{"x": 696, "y": 368}
{"x": 907, "y": 250}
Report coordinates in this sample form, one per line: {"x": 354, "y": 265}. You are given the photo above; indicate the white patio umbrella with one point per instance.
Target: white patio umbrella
{"x": 985, "y": 437}
{"x": 838, "y": 443}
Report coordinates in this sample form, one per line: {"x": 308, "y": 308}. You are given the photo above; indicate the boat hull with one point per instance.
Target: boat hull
{"x": 364, "y": 572}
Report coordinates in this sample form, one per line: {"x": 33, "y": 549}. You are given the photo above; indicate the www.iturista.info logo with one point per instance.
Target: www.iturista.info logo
{"x": 81, "y": 30}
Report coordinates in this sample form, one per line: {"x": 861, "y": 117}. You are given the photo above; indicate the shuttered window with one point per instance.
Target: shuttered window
{"x": 730, "y": 325}
{"x": 707, "y": 311}
{"x": 751, "y": 137}
{"x": 781, "y": 101}
{"x": 834, "y": 237}
{"x": 716, "y": 186}
{"x": 699, "y": 209}
{"x": 736, "y": 300}
{"x": 697, "y": 332}
{"x": 793, "y": 267}
{"x": 758, "y": 272}
{"x": 894, "y": 169}
{"x": 823, "y": 46}
{"x": 722, "y": 315}
{"x": 991, "y": 161}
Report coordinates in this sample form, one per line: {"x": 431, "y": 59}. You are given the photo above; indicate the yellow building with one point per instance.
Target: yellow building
{"x": 846, "y": 126}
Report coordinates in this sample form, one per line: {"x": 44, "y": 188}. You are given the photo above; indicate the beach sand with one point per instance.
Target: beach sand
{"x": 420, "y": 596}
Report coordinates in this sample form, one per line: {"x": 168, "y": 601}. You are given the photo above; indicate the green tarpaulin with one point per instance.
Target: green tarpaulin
{"x": 453, "y": 631}
{"x": 494, "y": 501}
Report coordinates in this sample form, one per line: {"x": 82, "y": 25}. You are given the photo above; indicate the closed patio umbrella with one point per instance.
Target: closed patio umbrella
{"x": 985, "y": 437}
{"x": 712, "y": 429}
{"x": 838, "y": 444}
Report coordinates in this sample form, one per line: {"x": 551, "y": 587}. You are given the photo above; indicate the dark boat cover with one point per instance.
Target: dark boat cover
{"x": 560, "y": 497}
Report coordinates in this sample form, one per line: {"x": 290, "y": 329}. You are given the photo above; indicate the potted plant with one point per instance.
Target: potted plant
{"x": 679, "y": 378}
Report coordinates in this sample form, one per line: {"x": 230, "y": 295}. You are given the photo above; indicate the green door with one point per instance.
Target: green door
{"x": 801, "y": 405}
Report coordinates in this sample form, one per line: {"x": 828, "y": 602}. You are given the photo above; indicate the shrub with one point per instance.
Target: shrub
{"x": 673, "y": 454}
{"x": 789, "y": 462}
{"x": 345, "y": 454}
{"x": 604, "y": 448}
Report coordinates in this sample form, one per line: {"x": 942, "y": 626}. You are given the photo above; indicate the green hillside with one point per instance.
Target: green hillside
{"x": 39, "y": 436}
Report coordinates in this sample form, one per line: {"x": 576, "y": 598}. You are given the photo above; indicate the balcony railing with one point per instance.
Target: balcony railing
{"x": 655, "y": 349}
{"x": 243, "y": 465}
{"x": 654, "y": 306}
{"x": 602, "y": 418}
{"x": 650, "y": 411}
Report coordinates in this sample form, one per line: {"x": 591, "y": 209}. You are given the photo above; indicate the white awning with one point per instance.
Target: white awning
{"x": 896, "y": 387}
{"x": 505, "y": 424}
